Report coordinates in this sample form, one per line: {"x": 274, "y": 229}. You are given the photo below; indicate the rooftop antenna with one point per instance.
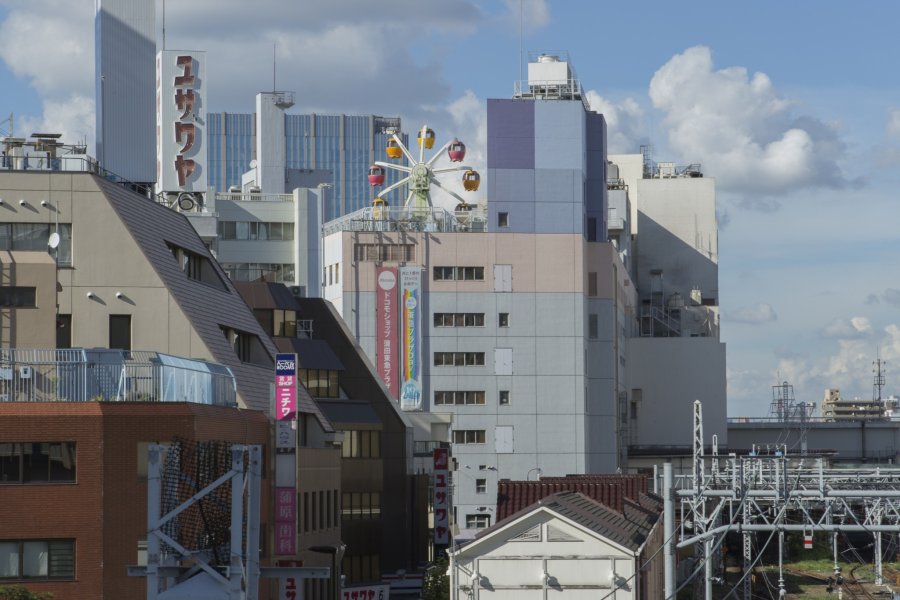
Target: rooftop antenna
{"x": 274, "y": 87}
{"x": 878, "y": 379}
{"x": 521, "y": 40}
{"x": 10, "y": 132}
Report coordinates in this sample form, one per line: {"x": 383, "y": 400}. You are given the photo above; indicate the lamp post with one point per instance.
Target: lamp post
{"x": 337, "y": 554}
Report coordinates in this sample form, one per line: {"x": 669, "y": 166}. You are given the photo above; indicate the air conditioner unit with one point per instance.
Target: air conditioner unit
{"x": 25, "y": 372}
{"x": 298, "y": 291}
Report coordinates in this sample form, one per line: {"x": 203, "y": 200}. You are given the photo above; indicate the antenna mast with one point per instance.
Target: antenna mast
{"x": 521, "y": 40}
{"x": 878, "y": 379}
{"x": 274, "y": 87}
{"x": 164, "y": 24}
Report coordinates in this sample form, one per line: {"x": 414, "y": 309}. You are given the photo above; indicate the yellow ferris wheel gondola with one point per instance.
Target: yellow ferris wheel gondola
{"x": 379, "y": 209}
{"x": 429, "y": 138}
{"x": 393, "y": 149}
{"x": 471, "y": 180}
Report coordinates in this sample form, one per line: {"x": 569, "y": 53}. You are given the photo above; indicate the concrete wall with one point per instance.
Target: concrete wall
{"x": 671, "y": 373}
{"x": 29, "y": 327}
{"x": 678, "y": 234}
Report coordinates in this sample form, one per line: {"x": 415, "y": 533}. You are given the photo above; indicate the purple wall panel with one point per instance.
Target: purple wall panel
{"x": 510, "y": 134}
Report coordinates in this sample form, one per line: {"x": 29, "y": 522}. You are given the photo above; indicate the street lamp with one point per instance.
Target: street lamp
{"x": 337, "y": 554}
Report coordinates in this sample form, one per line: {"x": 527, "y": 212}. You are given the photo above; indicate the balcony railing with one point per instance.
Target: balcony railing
{"x": 398, "y": 218}
{"x": 103, "y": 375}
{"x": 253, "y": 197}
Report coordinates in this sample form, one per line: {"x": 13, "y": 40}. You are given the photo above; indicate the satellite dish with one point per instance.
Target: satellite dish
{"x": 53, "y": 242}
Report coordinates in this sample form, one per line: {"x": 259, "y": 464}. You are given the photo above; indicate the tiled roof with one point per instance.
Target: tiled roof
{"x": 611, "y": 490}
{"x": 629, "y": 529}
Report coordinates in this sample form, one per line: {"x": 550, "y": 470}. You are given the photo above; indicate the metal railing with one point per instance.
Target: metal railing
{"x": 253, "y": 197}
{"x": 81, "y": 163}
{"x": 425, "y": 448}
{"x": 398, "y": 218}
{"x": 103, "y": 375}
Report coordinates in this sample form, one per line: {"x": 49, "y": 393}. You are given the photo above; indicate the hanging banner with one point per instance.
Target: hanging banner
{"x": 441, "y": 499}
{"x": 285, "y": 386}
{"x": 411, "y": 359}
{"x": 386, "y": 327}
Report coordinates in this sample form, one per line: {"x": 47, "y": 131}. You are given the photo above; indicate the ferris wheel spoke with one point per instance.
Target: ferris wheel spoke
{"x": 449, "y": 191}
{"x": 403, "y": 168}
{"x": 409, "y": 199}
{"x": 450, "y": 169}
{"x": 404, "y": 149}
{"x": 393, "y": 187}
{"x": 422, "y": 134}
{"x": 437, "y": 154}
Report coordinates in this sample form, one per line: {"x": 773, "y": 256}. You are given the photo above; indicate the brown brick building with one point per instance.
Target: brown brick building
{"x": 74, "y": 493}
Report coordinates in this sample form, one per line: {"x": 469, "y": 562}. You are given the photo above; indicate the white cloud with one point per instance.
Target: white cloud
{"x": 742, "y": 129}
{"x": 624, "y": 123}
{"x": 846, "y": 329}
{"x": 893, "y": 123}
{"x": 753, "y": 315}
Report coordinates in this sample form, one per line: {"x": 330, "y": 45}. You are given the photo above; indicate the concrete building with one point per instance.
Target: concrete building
{"x": 568, "y": 546}
{"x": 125, "y": 55}
{"x": 271, "y": 141}
{"x": 522, "y": 343}
{"x": 383, "y": 504}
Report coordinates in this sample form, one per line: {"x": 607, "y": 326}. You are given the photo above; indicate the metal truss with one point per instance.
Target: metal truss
{"x": 774, "y": 493}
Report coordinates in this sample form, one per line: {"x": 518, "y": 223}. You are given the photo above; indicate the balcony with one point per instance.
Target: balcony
{"x": 103, "y": 375}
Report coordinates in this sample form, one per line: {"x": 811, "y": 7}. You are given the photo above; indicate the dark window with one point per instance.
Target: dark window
{"x": 503, "y": 398}
{"x": 312, "y": 510}
{"x": 592, "y": 283}
{"x": 17, "y": 297}
{"x": 63, "y": 331}
{"x": 458, "y": 398}
{"x": 248, "y": 347}
{"x": 323, "y": 508}
{"x": 384, "y": 252}
{"x": 481, "y": 486}
{"x": 197, "y": 267}
{"x": 459, "y": 319}
{"x": 305, "y": 511}
{"x": 459, "y": 359}
{"x": 503, "y": 320}
{"x": 478, "y": 521}
{"x": 120, "y": 332}
{"x": 37, "y": 462}
{"x": 593, "y": 327}
{"x": 37, "y": 559}
{"x": 360, "y": 505}
{"x": 503, "y": 219}
{"x": 321, "y": 383}
{"x": 468, "y": 436}
{"x": 458, "y": 273}
{"x": 361, "y": 444}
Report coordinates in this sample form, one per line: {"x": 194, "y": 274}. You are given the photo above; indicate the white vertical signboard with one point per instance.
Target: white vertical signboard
{"x": 181, "y": 121}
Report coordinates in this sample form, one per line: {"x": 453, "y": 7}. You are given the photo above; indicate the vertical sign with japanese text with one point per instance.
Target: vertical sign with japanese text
{"x": 441, "y": 500}
{"x": 285, "y": 521}
{"x": 285, "y": 386}
{"x": 411, "y": 359}
{"x": 181, "y": 121}
{"x": 386, "y": 327}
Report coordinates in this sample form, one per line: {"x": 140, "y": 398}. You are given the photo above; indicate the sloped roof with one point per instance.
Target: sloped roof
{"x": 629, "y": 529}
{"x": 208, "y": 308}
{"x": 611, "y": 490}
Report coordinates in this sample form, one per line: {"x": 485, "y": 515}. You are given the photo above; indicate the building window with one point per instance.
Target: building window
{"x": 360, "y": 505}
{"x": 502, "y": 219}
{"x": 247, "y": 346}
{"x": 459, "y": 359}
{"x": 17, "y": 297}
{"x": 321, "y": 383}
{"x": 255, "y": 231}
{"x": 478, "y": 521}
{"x": 120, "y": 332}
{"x": 37, "y": 462}
{"x": 34, "y": 237}
{"x": 503, "y": 398}
{"x": 63, "y": 331}
{"x": 593, "y": 327}
{"x": 459, "y": 273}
{"x": 305, "y": 511}
{"x": 361, "y": 444}
{"x": 384, "y": 252}
{"x": 37, "y": 559}
{"x": 503, "y": 320}
{"x": 273, "y": 272}
{"x": 458, "y": 398}
{"x": 592, "y": 284}
{"x": 468, "y": 436}
{"x": 197, "y": 267}
{"x": 459, "y": 319}
{"x": 481, "y": 486}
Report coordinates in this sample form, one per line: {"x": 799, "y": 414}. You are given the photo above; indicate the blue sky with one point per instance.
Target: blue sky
{"x": 791, "y": 106}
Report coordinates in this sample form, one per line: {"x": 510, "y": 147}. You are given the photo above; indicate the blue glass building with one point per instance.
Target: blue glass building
{"x": 345, "y": 145}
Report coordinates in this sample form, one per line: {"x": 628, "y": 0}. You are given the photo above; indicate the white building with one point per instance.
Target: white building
{"x": 567, "y": 546}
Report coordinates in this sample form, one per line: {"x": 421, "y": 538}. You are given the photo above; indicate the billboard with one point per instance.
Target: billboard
{"x": 181, "y": 121}
{"x": 386, "y": 327}
{"x": 285, "y": 386}
{"x": 411, "y": 333}
{"x": 441, "y": 499}
{"x": 285, "y": 521}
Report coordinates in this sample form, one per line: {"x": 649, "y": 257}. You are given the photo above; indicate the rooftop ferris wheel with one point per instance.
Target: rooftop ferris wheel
{"x": 421, "y": 174}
